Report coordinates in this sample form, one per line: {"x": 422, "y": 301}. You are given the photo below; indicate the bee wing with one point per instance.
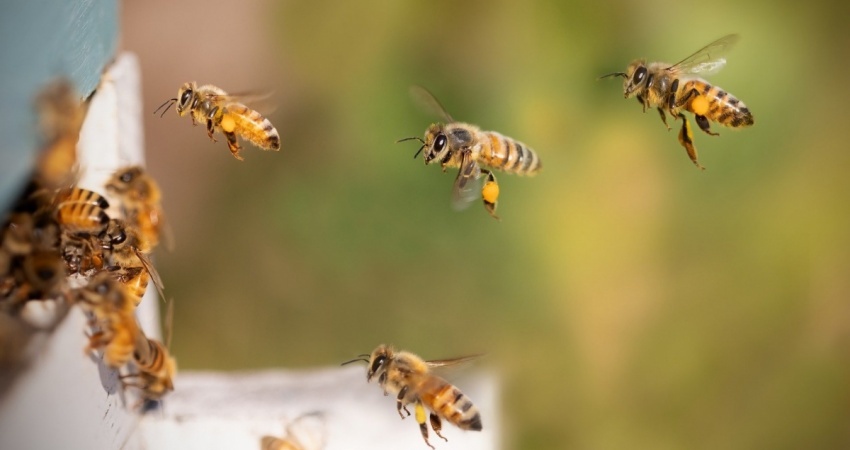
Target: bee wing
{"x": 157, "y": 281}
{"x": 465, "y": 189}
{"x": 258, "y": 100}
{"x": 435, "y": 363}
{"x": 426, "y": 100}
{"x": 707, "y": 60}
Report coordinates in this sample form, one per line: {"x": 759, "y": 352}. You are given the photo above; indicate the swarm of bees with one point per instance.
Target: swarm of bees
{"x": 409, "y": 378}
{"x": 676, "y": 88}
{"x": 59, "y": 244}
{"x": 224, "y": 113}
{"x": 467, "y": 147}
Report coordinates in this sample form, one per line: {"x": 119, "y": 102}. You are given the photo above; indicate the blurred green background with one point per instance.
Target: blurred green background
{"x": 627, "y": 299}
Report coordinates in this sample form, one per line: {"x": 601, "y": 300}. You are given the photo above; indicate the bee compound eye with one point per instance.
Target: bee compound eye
{"x": 639, "y": 75}
{"x": 379, "y": 361}
{"x": 119, "y": 238}
{"x": 184, "y": 99}
{"x": 440, "y": 143}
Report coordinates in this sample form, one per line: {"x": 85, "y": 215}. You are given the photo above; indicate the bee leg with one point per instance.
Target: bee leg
{"x": 423, "y": 427}
{"x": 210, "y": 129}
{"x": 705, "y": 125}
{"x": 663, "y": 118}
{"x": 233, "y": 145}
{"x": 686, "y": 138}
{"x": 399, "y": 405}
{"x": 490, "y": 193}
{"x": 437, "y": 425}
{"x": 642, "y": 103}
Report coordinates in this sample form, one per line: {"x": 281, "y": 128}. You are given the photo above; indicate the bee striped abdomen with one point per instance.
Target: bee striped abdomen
{"x": 721, "y": 106}
{"x": 450, "y": 403}
{"x": 508, "y": 155}
{"x": 253, "y": 127}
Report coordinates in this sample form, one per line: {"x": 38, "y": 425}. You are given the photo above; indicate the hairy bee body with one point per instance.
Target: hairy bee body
{"x": 715, "y": 104}
{"x": 112, "y": 315}
{"x": 408, "y": 377}
{"x": 156, "y": 368}
{"x": 474, "y": 152}
{"x": 140, "y": 201}
{"x": 673, "y": 88}
{"x": 222, "y": 112}
{"x": 81, "y": 211}
{"x": 488, "y": 148}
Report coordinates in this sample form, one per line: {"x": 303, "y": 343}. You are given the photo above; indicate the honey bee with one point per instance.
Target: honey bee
{"x": 127, "y": 256}
{"x": 156, "y": 369}
{"x": 300, "y": 434}
{"x": 61, "y": 116}
{"x": 219, "y": 111}
{"x": 155, "y": 366}
{"x": 676, "y": 88}
{"x": 81, "y": 211}
{"x": 456, "y": 144}
{"x": 140, "y": 197}
{"x": 112, "y": 314}
{"x": 409, "y": 378}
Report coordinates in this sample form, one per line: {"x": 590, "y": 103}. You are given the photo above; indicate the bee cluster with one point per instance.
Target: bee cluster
{"x": 59, "y": 245}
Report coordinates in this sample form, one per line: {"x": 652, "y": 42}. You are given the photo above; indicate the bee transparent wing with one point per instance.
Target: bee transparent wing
{"x": 707, "y": 60}
{"x": 426, "y": 100}
{"x": 257, "y": 100}
{"x": 436, "y": 363}
{"x": 466, "y": 187}
{"x": 157, "y": 281}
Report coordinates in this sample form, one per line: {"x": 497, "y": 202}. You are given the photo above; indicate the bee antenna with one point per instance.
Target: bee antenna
{"x": 359, "y": 358}
{"x": 613, "y": 74}
{"x": 419, "y": 151}
{"x": 417, "y": 138}
{"x": 168, "y": 102}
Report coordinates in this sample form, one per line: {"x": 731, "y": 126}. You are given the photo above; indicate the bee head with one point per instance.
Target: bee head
{"x": 185, "y": 97}
{"x": 123, "y": 180}
{"x": 378, "y": 361}
{"x": 436, "y": 145}
{"x": 635, "y": 78}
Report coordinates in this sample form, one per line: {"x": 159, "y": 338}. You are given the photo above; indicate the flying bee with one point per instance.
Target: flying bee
{"x": 140, "y": 196}
{"x": 212, "y": 106}
{"x": 676, "y": 88}
{"x": 112, "y": 314}
{"x": 467, "y": 147}
{"x": 127, "y": 255}
{"x": 409, "y": 378}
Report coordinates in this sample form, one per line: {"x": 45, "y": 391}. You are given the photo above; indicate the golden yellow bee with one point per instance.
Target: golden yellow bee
{"x": 155, "y": 366}
{"x": 112, "y": 315}
{"x": 212, "y": 106}
{"x": 127, "y": 257}
{"x": 140, "y": 197}
{"x": 156, "y": 369}
{"x": 467, "y": 147}
{"x": 300, "y": 434}
{"x": 81, "y": 211}
{"x": 61, "y": 114}
{"x": 408, "y": 377}
{"x": 674, "y": 88}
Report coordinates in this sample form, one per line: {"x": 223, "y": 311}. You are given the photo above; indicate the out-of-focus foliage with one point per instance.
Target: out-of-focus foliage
{"x": 628, "y": 299}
